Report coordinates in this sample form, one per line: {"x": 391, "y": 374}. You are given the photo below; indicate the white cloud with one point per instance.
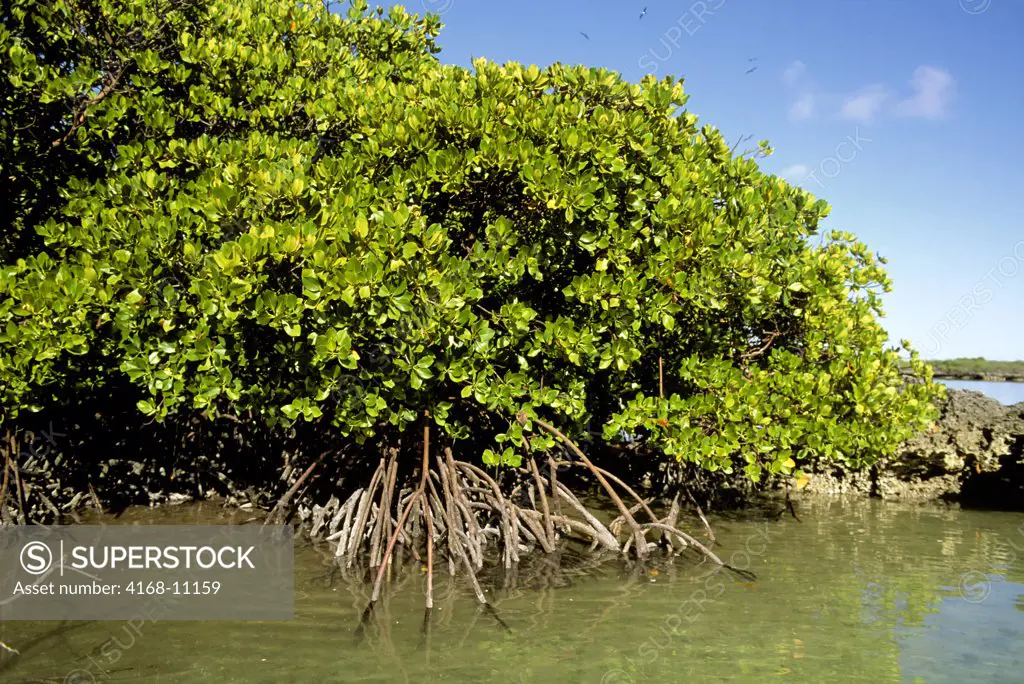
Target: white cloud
{"x": 933, "y": 91}
{"x": 795, "y": 172}
{"x": 794, "y": 73}
{"x": 803, "y": 108}
{"x": 865, "y": 104}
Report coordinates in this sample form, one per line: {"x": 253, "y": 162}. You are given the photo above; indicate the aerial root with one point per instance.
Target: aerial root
{"x": 667, "y": 526}
{"x": 277, "y": 515}
{"x": 449, "y": 511}
{"x": 458, "y": 509}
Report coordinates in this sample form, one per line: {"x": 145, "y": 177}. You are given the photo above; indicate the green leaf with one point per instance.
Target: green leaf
{"x": 362, "y": 227}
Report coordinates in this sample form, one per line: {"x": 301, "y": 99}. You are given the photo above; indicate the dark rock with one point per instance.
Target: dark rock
{"x": 971, "y": 455}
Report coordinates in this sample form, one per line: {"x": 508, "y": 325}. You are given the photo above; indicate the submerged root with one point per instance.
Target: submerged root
{"x": 455, "y": 511}
{"x": 452, "y": 509}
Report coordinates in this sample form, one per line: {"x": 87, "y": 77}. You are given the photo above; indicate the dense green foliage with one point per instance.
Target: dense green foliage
{"x": 251, "y": 206}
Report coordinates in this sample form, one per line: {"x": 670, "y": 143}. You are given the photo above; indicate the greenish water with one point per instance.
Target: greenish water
{"x": 856, "y": 592}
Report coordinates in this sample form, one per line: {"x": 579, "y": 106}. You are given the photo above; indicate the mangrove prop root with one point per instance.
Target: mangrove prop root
{"x": 444, "y": 523}
{"x": 382, "y": 530}
{"x": 460, "y": 527}
{"x": 510, "y": 541}
{"x": 465, "y": 506}
{"x": 356, "y": 538}
{"x": 700, "y": 514}
{"x": 638, "y": 534}
{"x": 553, "y": 476}
{"x": 449, "y": 512}
{"x": 616, "y": 525}
{"x": 420, "y": 494}
{"x": 459, "y": 509}
{"x": 671, "y": 519}
{"x": 707, "y": 526}
{"x": 791, "y": 507}
{"x": 549, "y": 526}
{"x": 629, "y": 490}
{"x": 604, "y": 537}
{"x": 364, "y": 620}
{"x": 745, "y": 574}
{"x": 430, "y": 558}
{"x": 283, "y": 502}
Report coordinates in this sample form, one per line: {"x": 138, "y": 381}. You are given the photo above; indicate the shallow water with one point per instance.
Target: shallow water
{"x": 1008, "y": 393}
{"x": 855, "y": 592}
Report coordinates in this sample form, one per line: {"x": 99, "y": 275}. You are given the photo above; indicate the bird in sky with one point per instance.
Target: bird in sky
{"x": 751, "y": 70}
{"x": 643, "y": 13}
{"x": 584, "y": 35}
{"x": 751, "y": 59}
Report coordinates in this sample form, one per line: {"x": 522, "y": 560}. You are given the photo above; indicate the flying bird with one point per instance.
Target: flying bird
{"x": 751, "y": 59}
{"x": 643, "y": 13}
{"x": 751, "y": 70}
{"x": 584, "y": 35}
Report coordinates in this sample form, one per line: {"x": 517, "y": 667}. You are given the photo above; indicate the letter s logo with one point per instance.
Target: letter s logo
{"x": 36, "y": 558}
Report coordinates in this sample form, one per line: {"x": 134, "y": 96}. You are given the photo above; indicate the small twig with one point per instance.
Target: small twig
{"x": 742, "y": 139}
{"x": 772, "y": 336}
{"x": 83, "y": 109}
{"x": 96, "y": 504}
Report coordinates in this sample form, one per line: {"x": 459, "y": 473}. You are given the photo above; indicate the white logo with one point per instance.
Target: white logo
{"x": 438, "y": 7}
{"x": 36, "y": 558}
{"x": 975, "y": 6}
{"x": 79, "y": 677}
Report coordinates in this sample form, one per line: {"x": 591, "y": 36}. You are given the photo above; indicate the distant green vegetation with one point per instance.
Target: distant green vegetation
{"x": 979, "y": 366}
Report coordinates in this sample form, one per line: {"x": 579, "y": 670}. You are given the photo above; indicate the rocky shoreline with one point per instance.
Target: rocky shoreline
{"x": 973, "y": 455}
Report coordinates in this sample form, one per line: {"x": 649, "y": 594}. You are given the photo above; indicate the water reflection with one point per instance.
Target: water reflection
{"x": 859, "y": 591}
{"x": 966, "y": 641}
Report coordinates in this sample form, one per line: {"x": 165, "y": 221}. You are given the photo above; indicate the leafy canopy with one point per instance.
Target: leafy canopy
{"x": 259, "y": 206}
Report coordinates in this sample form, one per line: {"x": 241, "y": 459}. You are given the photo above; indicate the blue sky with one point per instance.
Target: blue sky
{"x": 905, "y": 115}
